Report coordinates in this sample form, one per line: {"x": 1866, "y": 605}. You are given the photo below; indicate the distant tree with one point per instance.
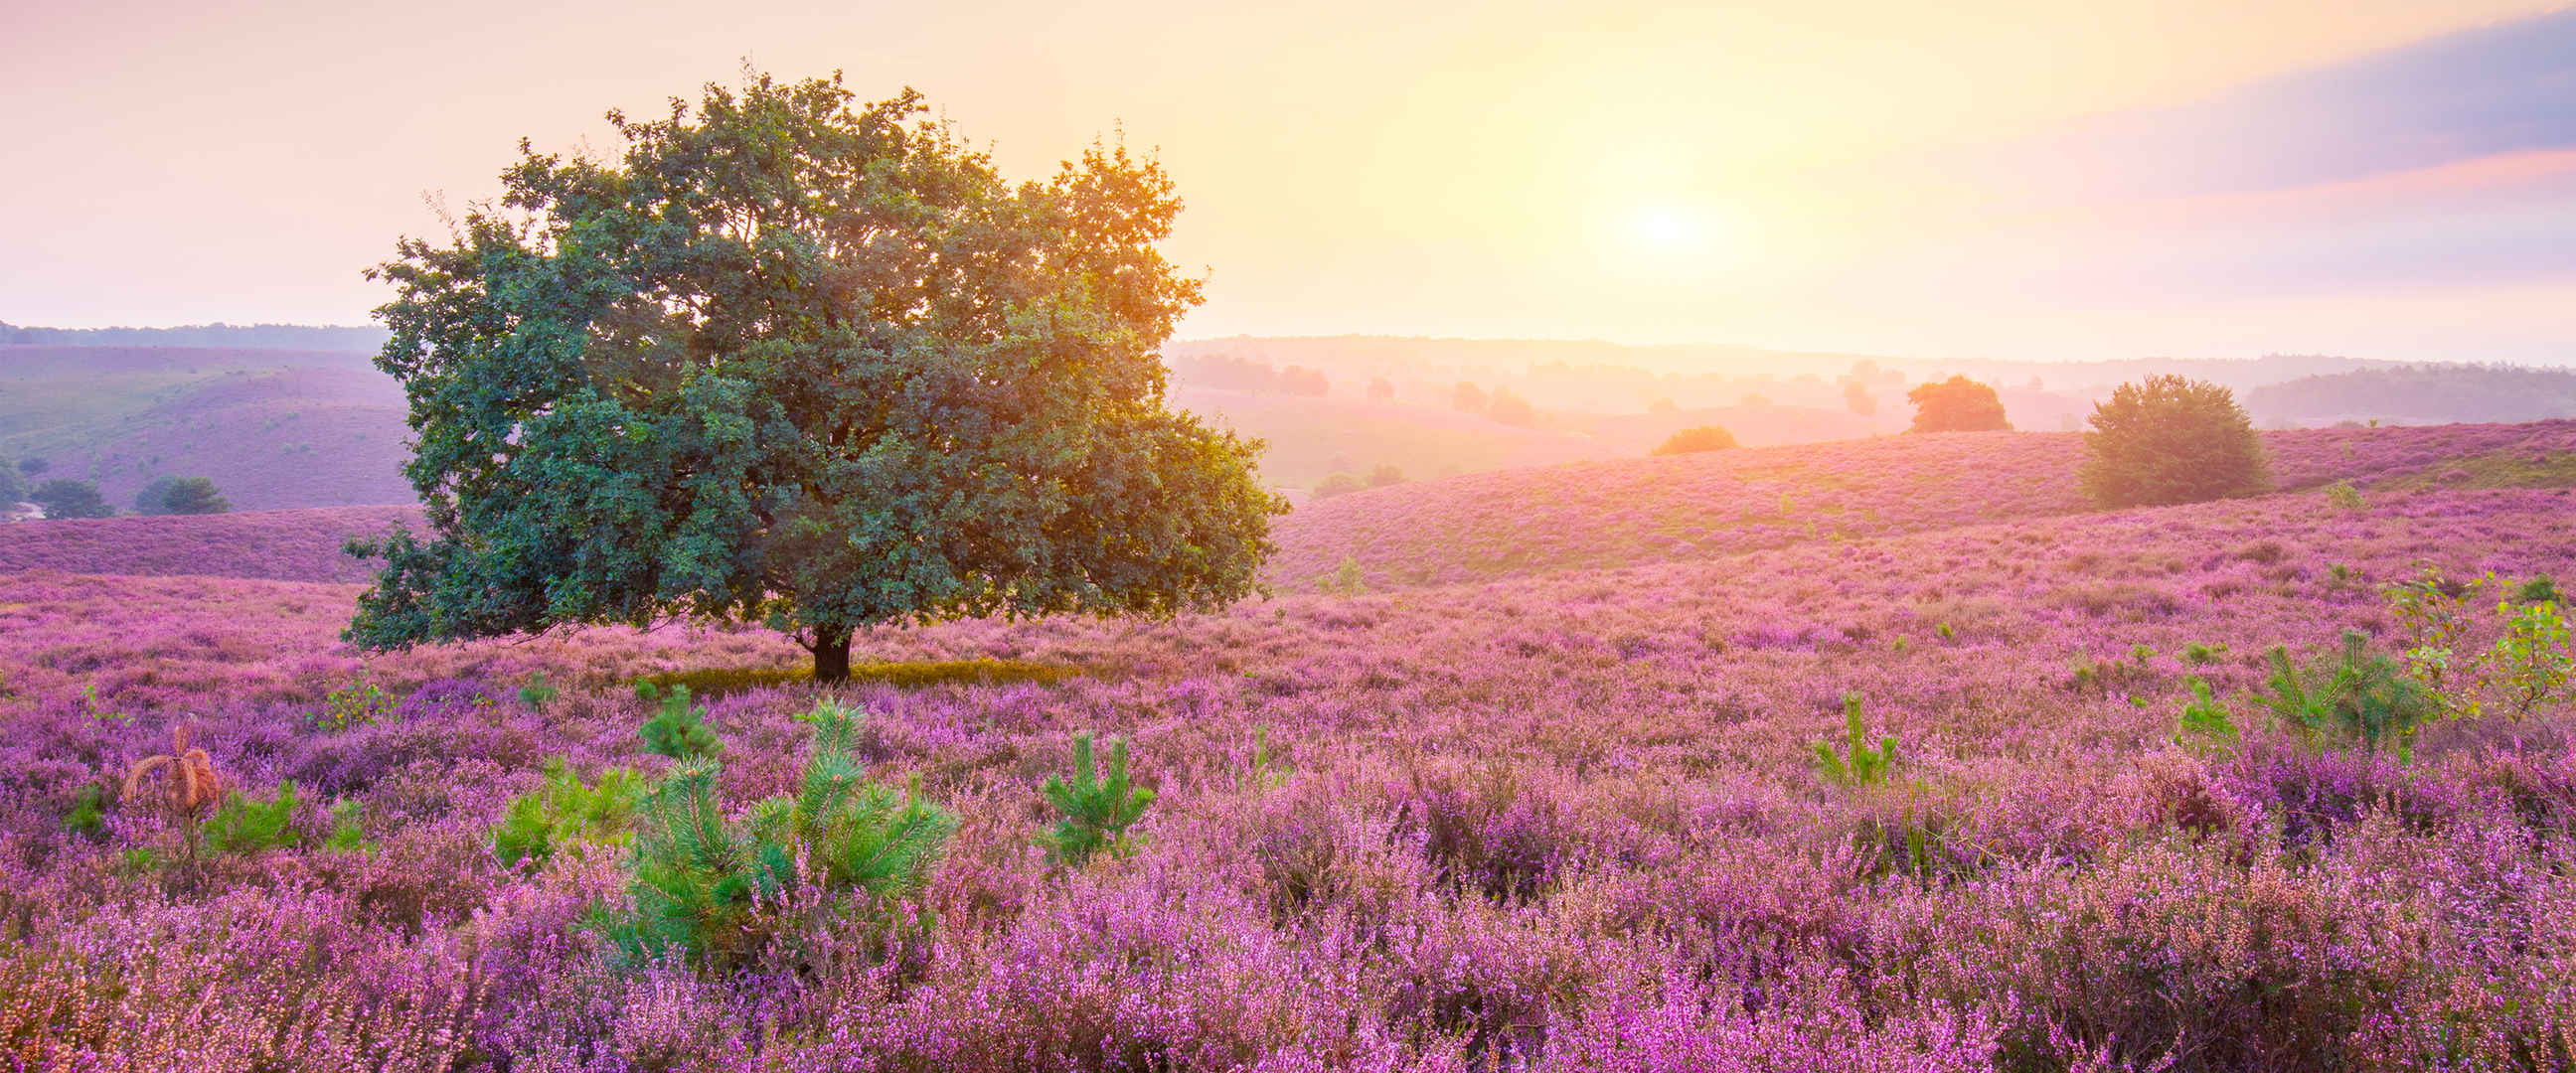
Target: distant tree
{"x": 64, "y": 497}
{"x": 1384, "y": 475}
{"x": 31, "y": 466}
{"x": 181, "y": 495}
{"x": 1297, "y": 380}
{"x": 1753, "y": 400}
{"x": 1510, "y": 408}
{"x": 1857, "y": 399}
{"x": 1957, "y": 404}
{"x": 1381, "y": 389}
{"x": 1695, "y": 440}
{"x": 803, "y": 362}
{"x": 1468, "y": 397}
{"x": 2168, "y": 439}
{"x": 13, "y": 488}
{"x": 1338, "y": 483}
{"x": 1662, "y": 405}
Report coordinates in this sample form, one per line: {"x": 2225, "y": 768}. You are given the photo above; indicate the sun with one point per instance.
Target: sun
{"x": 1665, "y": 229}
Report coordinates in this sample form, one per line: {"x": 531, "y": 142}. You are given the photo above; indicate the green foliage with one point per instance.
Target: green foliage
{"x": 2538, "y": 590}
{"x": 1346, "y": 579}
{"x": 915, "y": 674}
{"x": 2433, "y": 610}
{"x": 567, "y": 813}
{"x": 360, "y": 703}
{"x": 679, "y": 730}
{"x": 243, "y": 824}
{"x": 699, "y": 878}
{"x": 2170, "y": 439}
{"x": 1944, "y": 632}
{"x": 1696, "y": 439}
{"x": 88, "y": 814}
{"x": 1861, "y": 765}
{"x": 181, "y": 495}
{"x": 1263, "y": 769}
{"x": 2202, "y": 655}
{"x": 1097, "y": 806}
{"x": 64, "y": 497}
{"x": 1957, "y": 404}
{"x": 2341, "y": 495}
{"x": 720, "y": 405}
{"x": 2533, "y": 664}
{"x": 2204, "y": 725}
{"x": 537, "y": 694}
{"x": 348, "y": 828}
{"x": 13, "y": 487}
{"x": 2351, "y": 696}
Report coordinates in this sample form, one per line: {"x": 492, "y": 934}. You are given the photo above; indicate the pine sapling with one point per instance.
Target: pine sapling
{"x": 679, "y": 730}
{"x": 1865, "y": 766}
{"x": 2204, "y": 725}
{"x": 1097, "y": 807}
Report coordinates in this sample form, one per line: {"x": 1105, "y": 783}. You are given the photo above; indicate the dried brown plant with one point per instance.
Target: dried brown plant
{"x": 188, "y": 786}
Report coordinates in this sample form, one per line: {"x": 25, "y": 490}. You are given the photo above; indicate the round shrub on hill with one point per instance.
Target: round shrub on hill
{"x": 181, "y": 495}
{"x": 1957, "y": 404}
{"x": 2170, "y": 439}
{"x": 1696, "y": 439}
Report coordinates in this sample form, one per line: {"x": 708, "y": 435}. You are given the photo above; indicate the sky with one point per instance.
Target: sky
{"x": 2006, "y": 179}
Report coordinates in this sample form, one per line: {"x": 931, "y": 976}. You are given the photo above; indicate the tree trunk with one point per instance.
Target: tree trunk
{"x": 831, "y": 655}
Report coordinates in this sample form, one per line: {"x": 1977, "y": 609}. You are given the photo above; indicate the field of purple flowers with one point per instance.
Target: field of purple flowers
{"x": 1572, "y": 820}
{"x": 1703, "y": 506}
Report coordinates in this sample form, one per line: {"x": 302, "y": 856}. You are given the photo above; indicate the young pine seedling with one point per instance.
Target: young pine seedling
{"x": 1098, "y": 807}
{"x": 679, "y": 730}
{"x": 2204, "y": 725}
{"x": 1864, "y": 766}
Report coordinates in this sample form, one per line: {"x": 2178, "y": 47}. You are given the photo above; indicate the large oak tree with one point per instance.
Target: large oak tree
{"x": 797, "y": 360}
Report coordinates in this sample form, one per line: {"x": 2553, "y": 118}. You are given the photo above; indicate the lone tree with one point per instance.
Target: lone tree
{"x": 805, "y": 362}
{"x": 181, "y": 495}
{"x": 2170, "y": 439}
{"x": 1695, "y": 439}
{"x": 64, "y": 497}
{"x": 1957, "y": 404}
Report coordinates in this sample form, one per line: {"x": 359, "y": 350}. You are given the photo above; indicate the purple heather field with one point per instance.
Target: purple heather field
{"x": 1515, "y": 770}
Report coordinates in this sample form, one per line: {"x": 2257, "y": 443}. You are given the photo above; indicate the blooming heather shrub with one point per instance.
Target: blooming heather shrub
{"x": 1096, "y": 807}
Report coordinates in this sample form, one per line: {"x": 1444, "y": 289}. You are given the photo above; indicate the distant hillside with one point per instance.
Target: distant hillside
{"x": 1643, "y": 510}
{"x": 2420, "y": 394}
{"x": 258, "y": 336}
{"x": 272, "y": 428}
{"x": 278, "y": 545}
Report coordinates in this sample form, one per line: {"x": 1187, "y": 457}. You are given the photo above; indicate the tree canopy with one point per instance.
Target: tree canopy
{"x": 801, "y": 361}
{"x": 64, "y": 497}
{"x": 2170, "y": 439}
{"x": 181, "y": 495}
{"x": 1696, "y": 439}
{"x": 1957, "y": 404}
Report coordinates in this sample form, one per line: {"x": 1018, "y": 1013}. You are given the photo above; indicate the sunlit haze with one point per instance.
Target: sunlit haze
{"x": 2381, "y": 178}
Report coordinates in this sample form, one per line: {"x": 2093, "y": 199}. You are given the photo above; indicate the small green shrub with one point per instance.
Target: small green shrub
{"x": 2204, "y": 725}
{"x": 1944, "y": 632}
{"x": 2532, "y": 662}
{"x": 1862, "y": 766}
{"x": 348, "y": 828}
{"x": 567, "y": 813}
{"x": 698, "y": 878}
{"x": 1346, "y": 579}
{"x": 2341, "y": 495}
{"x": 243, "y": 824}
{"x": 2201, "y": 655}
{"x": 1097, "y": 806}
{"x": 2538, "y": 590}
{"x": 2352, "y": 696}
{"x": 537, "y": 694}
{"x": 359, "y": 703}
{"x": 679, "y": 730}
{"x": 1696, "y": 439}
{"x": 88, "y": 814}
